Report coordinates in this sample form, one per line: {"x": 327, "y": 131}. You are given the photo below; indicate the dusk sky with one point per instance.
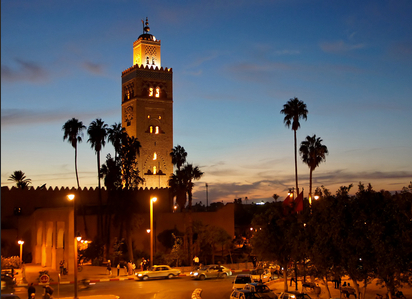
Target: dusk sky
{"x": 235, "y": 64}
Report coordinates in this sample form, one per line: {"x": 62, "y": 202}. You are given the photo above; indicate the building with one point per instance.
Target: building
{"x": 44, "y": 218}
{"x": 147, "y": 109}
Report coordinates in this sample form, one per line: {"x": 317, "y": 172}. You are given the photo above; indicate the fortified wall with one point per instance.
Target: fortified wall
{"x": 43, "y": 218}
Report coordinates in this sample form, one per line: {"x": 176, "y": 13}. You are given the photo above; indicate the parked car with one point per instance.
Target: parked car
{"x": 261, "y": 275}
{"x": 247, "y": 294}
{"x": 260, "y": 288}
{"x": 8, "y": 282}
{"x": 293, "y": 295}
{"x": 211, "y": 271}
{"x": 241, "y": 280}
{"x": 158, "y": 271}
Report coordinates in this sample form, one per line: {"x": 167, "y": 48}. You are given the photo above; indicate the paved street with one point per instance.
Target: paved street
{"x": 182, "y": 287}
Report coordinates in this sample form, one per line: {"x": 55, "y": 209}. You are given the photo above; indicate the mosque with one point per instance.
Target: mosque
{"x": 44, "y": 218}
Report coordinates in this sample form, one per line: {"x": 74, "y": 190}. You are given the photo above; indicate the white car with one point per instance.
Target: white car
{"x": 158, "y": 271}
{"x": 211, "y": 271}
{"x": 241, "y": 280}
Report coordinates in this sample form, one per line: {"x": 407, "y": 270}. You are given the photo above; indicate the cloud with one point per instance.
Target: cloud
{"x": 340, "y": 46}
{"x": 263, "y": 189}
{"x": 25, "y": 71}
{"x": 93, "y": 68}
{"x": 287, "y": 52}
{"x": 24, "y": 117}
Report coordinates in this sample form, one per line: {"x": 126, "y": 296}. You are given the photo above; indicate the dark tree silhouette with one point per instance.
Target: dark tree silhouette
{"x": 294, "y": 110}
{"x": 313, "y": 153}
{"x": 19, "y": 177}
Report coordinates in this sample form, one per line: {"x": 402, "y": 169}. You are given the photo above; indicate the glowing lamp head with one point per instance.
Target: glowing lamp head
{"x": 154, "y": 199}
{"x": 148, "y": 231}
{"x": 70, "y": 196}
{"x": 21, "y": 242}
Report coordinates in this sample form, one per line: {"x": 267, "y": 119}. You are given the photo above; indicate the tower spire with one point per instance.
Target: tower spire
{"x": 146, "y": 28}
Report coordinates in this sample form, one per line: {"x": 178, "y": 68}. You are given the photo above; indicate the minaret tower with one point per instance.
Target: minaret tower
{"x": 147, "y": 109}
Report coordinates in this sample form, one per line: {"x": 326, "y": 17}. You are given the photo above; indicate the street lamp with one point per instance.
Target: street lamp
{"x": 21, "y": 242}
{"x": 152, "y": 200}
{"x": 71, "y": 197}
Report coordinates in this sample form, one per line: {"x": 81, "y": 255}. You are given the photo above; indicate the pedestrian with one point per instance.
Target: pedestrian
{"x": 134, "y": 268}
{"x": 196, "y": 261}
{"x": 339, "y": 281}
{"x": 118, "y": 269}
{"x": 109, "y": 267}
{"x": 291, "y": 280}
{"x": 142, "y": 264}
{"x": 254, "y": 260}
{"x": 147, "y": 264}
{"x": 61, "y": 267}
{"x": 31, "y": 290}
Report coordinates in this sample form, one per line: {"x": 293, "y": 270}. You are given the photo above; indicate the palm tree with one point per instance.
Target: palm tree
{"x": 20, "y": 179}
{"x": 189, "y": 174}
{"x": 130, "y": 149}
{"x": 294, "y": 110}
{"x": 177, "y": 181}
{"x": 97, "y": 137}
{"x": 115, "y": 135}
{"x": 313, "y": 153}
{"x": 178, "y": 155}
{"x": 73, "y": 133}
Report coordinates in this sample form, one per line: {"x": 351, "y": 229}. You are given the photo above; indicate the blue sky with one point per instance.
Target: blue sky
{"x": 235, "y": 64}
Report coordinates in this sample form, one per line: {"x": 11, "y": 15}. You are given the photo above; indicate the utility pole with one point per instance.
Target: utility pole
{"x": 207, "y": 196}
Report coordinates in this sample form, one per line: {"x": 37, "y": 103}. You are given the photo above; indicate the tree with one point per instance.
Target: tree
{"x": 97, "y": 137}
{"x": 190, "y": 173}
{"x": 177, "y": 181}
{"x": 121, "y": 176}
{"x": 20, "y": 179}
{"x": 178, "y": 155}
{"x": 129, "y": 151}
{"x": 294, "y": 110}
{"x": 115, "y": 135}
{"x": 313, "y": 152}
{"x": 73, "y": 133}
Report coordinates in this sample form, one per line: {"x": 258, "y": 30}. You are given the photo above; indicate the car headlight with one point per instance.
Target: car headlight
{"x": 140, "y": 274}
{"x": 191, "y": 273}
{"x": 195, "y": 274}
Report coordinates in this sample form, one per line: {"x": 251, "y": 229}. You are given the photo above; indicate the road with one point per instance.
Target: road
{"x": 176, "y": 288}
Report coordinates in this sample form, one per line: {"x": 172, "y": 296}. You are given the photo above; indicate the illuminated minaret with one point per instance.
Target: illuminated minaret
{"x": 147, "y": 109}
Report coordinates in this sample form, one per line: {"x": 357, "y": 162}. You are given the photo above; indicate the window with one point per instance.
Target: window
{"x": 151, "y": 129}
{"x": 147, "y": 60}
{"x": 150, "y": 91}
{"x": 153, "y": 61}
{"x": 157, "y": 92}
{"x": 154, "y": 156}
{"x": 154, "y": 169}
{"x": 157, "y": 130}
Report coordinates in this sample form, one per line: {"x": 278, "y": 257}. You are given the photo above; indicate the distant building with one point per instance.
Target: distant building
{"x": 147, "y": 109}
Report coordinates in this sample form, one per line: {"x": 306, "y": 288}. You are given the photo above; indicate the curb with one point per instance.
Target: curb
{"x": 87, "y": 280}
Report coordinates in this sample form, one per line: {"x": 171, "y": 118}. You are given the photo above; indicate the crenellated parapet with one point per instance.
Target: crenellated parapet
{"x": 146, "y": 67}
{"x": 28, "y": 200}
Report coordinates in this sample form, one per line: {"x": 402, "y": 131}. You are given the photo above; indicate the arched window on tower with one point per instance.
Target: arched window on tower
{"x": 153, "y": 60}
{"x": 157, "y": 130}
{"x": 147, "y": 60}
{"x": 154, "y": 169}
{"x": 157, "y": 92}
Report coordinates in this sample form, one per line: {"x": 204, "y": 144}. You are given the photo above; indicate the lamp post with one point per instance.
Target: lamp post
{"x": 152, "y": 200}
{"x": 21, "y": 242}
{"x": 71, "y": 197}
